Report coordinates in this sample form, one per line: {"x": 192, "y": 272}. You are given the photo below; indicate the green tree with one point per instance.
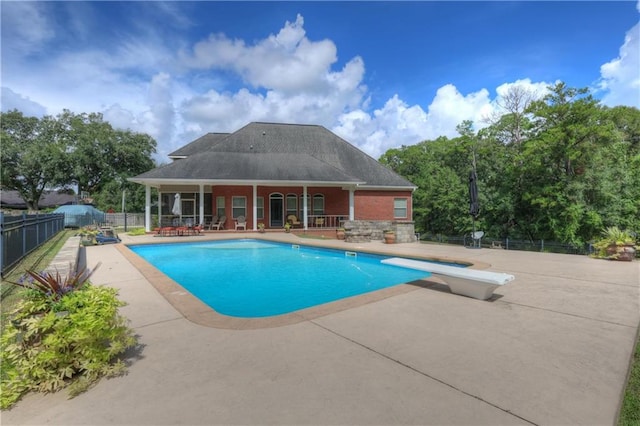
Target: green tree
{"x": 34, "y": 155}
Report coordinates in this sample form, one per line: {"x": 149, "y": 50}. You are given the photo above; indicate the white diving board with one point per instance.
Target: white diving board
{"x": 463, "y": 281}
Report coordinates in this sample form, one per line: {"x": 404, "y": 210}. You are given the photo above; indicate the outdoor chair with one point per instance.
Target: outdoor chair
{"x": 214, "y": 222}
{"x": 241, "y": 222}
{"x": 220, "y": 225}
{"x": 293, "y": 220}
{"x": 477, "y": 238}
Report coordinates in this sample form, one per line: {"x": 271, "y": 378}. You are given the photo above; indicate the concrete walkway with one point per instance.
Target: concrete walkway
{"x": 552, "y": 348}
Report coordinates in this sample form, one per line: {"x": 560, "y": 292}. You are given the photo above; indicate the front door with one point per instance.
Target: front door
{"x": 276, "y": 210}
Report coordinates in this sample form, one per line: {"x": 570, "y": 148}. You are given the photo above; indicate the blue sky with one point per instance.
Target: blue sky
{"x": 380, "y": 74}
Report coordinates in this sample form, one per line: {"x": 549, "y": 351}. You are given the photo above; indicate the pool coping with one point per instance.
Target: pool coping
{"x": 196, "y": 311}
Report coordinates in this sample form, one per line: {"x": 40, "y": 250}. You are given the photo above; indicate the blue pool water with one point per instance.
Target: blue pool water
{"x": 252, "y": 278}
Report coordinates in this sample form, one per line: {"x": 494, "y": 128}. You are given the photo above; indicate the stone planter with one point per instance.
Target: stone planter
{"x": 625, "y": 253}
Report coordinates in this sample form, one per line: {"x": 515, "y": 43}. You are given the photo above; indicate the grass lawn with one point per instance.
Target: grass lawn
{"x": 630, "y": 411}
{"x": 37, "y": 260}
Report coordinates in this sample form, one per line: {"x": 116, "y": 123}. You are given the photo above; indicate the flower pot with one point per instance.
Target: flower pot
{"x": 340, "y": 234}
{"x": 389, "y": 238}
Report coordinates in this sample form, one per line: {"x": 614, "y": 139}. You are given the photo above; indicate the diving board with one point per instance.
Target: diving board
{"x": 463, "y": 281}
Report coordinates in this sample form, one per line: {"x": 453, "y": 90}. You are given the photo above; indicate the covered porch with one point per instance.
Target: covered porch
{"x": 306, "y": 207}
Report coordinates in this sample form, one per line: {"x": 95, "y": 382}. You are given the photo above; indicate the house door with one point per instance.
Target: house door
{"x": 276, "y": 210}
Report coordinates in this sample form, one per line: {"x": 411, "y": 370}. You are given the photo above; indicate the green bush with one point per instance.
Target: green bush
{"x": 65, "y": 339}
{"x": 137, "y": 231}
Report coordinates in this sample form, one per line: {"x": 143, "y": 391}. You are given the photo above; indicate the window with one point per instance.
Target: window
{"x": 308, "y": 205}
{"x": 400, "y": 208}
{"x": 220, "y": 211}
{"x": 318, "y": 204}
{"x": 238, "y": 207}
{"x": 292, "y": 205}
{"x": 260, "y": 207}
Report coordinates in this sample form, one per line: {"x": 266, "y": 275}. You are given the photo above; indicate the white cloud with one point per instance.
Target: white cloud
{"x": 25, "y": 26}
{"x": 288, "y": 62}
{"x": 176, "y": 94}
{"x": 620, "y": 78}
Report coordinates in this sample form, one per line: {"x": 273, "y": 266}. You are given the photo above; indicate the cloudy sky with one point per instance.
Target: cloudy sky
{"x": 379, "y": 74}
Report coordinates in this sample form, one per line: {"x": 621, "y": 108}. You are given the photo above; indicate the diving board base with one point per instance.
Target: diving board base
{"x": 463, "y": 281}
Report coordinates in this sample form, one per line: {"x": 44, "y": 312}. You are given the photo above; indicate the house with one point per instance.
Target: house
{"x": 268, "y": 171}
{"x": 12, "y": 200}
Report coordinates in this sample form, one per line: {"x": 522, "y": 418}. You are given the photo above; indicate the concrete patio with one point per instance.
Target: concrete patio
{"x": 552, "y": 347}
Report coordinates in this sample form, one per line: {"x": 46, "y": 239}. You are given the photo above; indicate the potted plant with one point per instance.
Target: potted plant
{"x": 287, "y": 227}
{"x": 88, "y": 236}
{"x": 389, "y": 236}
{"x": 616, "y": 244}
{"x": 340, "y": 233}
{"x": 261, "y": 227}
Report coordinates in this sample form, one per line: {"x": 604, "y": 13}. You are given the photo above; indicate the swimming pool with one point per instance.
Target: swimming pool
{"x": 254, "y": 278}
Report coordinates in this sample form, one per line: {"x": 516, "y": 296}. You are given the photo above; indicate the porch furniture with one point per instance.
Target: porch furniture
{"x": 319, "y": 223}
{"x": 462, "y": 281}
{"x": 293, "y": 221}
{"x": 241, "y": 222}
{"x": 214, "y": 222}
{"x": 220, "y": 225}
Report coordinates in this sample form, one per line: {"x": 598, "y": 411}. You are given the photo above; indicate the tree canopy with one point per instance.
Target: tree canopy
{"x": 559, "y": 168}
{"x": 72, "y": 149}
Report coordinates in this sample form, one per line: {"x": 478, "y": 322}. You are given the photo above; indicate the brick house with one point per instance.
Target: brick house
{"x": 267, "y": 172}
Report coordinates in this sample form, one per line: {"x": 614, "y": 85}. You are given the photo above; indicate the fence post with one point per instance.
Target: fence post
{"x": 541, "y": 245}
{"x": 23, "y": 229}
{"x": 507, "y": 244}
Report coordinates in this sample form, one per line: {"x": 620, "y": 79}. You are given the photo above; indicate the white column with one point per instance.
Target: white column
{"x": 159, "y": 208}
{"x": 255, "y": 208}
{"x": 201, "y": 221}
{"x": 352, "y": 207}
{"x": 304, "y": 207}
{"x": 147, "y": 208}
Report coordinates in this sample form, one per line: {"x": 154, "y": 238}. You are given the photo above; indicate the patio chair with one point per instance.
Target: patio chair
{"x": 477, "y": 238}
{"x": 220, "y": 225}
{"x": 241, "y": 222}
{"x": 214, "y": 222}
{"x": 293, "y": 220}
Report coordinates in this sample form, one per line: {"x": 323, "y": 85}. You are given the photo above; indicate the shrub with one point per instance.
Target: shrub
{"x": 68, "y": 337}
{"x": 137, "y": 231}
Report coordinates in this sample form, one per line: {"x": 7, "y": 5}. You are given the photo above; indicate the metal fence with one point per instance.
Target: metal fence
{"x": 510, "y": 244}
{"x": 133, "y": 220}
{"x": 20, "y": 235}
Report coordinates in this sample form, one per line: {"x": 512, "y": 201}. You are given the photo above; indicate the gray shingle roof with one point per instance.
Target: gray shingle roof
{"x": 201, "y": 144}
{"x": 277, "y": 152}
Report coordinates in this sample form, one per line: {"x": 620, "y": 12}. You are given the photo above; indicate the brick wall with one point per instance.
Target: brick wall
{"x": 378, "y": 205}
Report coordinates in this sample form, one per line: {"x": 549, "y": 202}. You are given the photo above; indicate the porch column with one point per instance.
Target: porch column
{"x": 201, "y": 221}
{"x": 159, "y": 208}
{"x": 254, "y": 218}
{"x": 304, "y": 207}
{"x": 352, "y": 207}
{"x": 147, "y": 208}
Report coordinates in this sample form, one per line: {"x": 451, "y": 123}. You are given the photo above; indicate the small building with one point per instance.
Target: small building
{"x": 268, "y": 172}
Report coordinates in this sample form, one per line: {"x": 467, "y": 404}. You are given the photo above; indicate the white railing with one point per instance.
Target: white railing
{"x": 326, "y": 221}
